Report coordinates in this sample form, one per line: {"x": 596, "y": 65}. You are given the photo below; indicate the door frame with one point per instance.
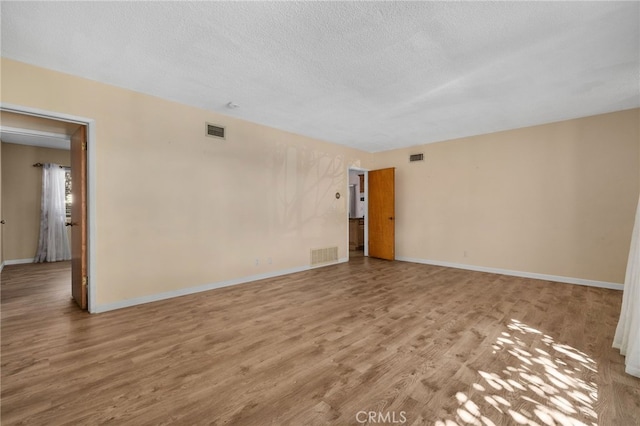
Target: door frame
{"x": 91, "y": 183}
{"x": 366, "y": 208}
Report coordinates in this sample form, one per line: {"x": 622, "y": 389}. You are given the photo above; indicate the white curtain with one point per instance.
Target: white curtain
{"x": 627, "y": 337}
{"x": 53, "y": 244}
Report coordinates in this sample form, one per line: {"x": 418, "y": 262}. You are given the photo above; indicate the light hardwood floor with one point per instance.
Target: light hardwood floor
{"x": 427, "y": 344}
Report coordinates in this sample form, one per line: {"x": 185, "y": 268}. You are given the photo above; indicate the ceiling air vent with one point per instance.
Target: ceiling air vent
{"x": 215, "y": 131}
{"x": 416, "y": 157}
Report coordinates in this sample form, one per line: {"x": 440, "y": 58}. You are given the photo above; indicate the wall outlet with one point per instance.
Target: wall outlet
{"x": 257, "y": 262}
{"x": 269, "y": 261}
{"x": 465, "y": 254}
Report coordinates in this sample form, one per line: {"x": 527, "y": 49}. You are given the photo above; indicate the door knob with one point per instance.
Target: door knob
{"x": 2, "y": 222}
{"x": 70, "y": 224}
{"x": 391, "y": 218}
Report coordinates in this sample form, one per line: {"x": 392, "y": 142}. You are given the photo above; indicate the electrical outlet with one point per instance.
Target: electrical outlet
{"x": 465, "y": 254}
{"x": 269, "y": 261}
{"x": 257, "y": 262}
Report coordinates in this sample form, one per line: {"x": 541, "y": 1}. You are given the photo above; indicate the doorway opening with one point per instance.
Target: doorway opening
{"x": 35, "y": 129}
{"x": 372, "y": 230}
{"x": 357, "y": 213}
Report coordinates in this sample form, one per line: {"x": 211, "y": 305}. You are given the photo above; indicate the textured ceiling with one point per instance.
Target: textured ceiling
{"x": 372, "y": 75}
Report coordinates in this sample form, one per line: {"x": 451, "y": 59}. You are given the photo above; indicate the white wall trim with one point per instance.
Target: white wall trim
{"x": 17, "y": 261}
{"x": 545, "y": 277}
{"x": 91, "y": 183}
{"x": 206, "y": 287}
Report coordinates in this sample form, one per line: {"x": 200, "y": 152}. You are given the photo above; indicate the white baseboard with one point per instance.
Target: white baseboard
{"x": 545, "y": 277}
{"x": 206, "y": 287}
{"x": 17, "y": 261}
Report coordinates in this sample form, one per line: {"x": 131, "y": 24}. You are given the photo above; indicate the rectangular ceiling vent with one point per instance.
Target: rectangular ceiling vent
{"x": 324, "y": 255}
{"x": 215, "y": 131}
{"x": 416, "y": 157}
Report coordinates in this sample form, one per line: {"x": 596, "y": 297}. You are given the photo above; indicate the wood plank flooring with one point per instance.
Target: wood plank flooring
{"x": 364, "y": 342}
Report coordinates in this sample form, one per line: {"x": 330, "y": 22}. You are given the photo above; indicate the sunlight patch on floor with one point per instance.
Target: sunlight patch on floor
{"x": 544, "y": 384}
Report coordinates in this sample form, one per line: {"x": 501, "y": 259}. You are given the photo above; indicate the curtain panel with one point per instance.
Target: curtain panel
{"x": 627, "y": 337}
{"x": 53, "y": 243}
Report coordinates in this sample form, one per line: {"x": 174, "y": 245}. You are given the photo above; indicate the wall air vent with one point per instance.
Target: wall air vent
{"x": 214, "y": 131}
{"x": 324, "y": 255}
{"x": 416, "y": 157}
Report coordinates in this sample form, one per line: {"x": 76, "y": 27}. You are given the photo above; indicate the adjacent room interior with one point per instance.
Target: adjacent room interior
{"x": 367, "y": 213}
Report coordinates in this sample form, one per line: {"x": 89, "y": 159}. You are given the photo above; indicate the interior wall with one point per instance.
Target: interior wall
{"x": 556, "y": 199}
{"x": 21, "y": 196}
{"x": 176, "y": 209}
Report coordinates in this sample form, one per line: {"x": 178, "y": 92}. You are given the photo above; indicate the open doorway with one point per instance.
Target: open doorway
{"x": 372, "y": 213}
{"x": 48, "y": 138}
{"x": 358, "y": 232}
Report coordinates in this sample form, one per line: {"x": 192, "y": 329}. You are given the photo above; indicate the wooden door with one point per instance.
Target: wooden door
{"x": 79, "y": 217}
{"x": 382, "y": 212}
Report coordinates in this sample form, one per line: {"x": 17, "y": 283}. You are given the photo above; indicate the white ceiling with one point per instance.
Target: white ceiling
{"x": 372, "y": 75}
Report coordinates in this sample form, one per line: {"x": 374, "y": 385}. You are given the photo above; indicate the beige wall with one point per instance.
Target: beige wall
{"x": 176, "y": 209}
{"x": 21, "y": 193}
{"x": 555, "y": 199}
